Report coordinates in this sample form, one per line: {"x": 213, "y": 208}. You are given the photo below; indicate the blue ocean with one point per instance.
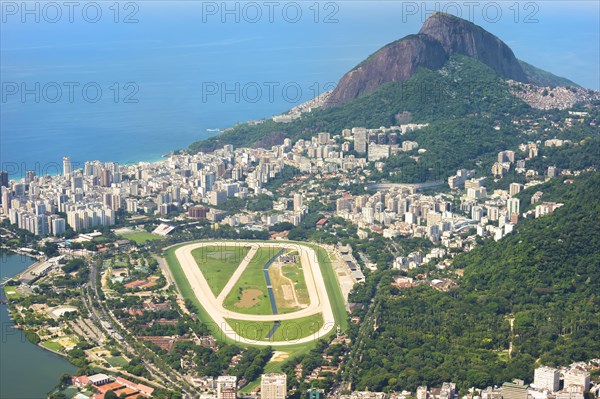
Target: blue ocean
{"x": 132, "y": 81}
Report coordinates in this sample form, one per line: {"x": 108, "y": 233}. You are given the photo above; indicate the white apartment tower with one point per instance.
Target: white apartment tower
{"x": 546, "y": 378}
{"x": 297, "y": 202}
{"x": 273, "y": 386}
{"x": 67, "y": 168}
{"x": 579, "y": 378}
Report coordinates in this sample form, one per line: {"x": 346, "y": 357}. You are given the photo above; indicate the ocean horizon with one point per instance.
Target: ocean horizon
{"x": 148, "y": 80}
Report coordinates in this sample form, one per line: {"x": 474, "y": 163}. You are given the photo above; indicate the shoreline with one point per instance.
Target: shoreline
{"x": 56, "y": 167}
{"x": 54, "y": 355}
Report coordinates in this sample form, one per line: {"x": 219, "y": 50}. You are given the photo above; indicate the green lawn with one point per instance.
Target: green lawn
{"x": 117, "y": 361}
{"x": 55, "y": 346}
{"x": 288, "y": 329}
{"x": 140, "y": 237}
{"x": 70, "y": 392}
{"x": 11, "y": 293}
{"x": 184, "y": 288}
{"x": 331, "y": 285}
{"x": 252, "y": 279}
{"x": 295, "y": 351}
{"x": 295, "y": 273}
{"x": 218, "y": 263}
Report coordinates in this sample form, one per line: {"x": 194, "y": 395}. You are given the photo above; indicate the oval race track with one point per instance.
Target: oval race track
{"x": 319, "y": 300}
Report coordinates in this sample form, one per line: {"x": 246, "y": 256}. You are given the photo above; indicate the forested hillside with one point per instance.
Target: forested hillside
{"x": 542, "y": 279}
{"x": 464, "y": 87}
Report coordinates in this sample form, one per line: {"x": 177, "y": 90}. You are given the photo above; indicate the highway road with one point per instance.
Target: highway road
{"x": 108, "y": 323}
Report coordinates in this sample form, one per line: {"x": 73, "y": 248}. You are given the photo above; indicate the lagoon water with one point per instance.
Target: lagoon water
{"x": 26, "y": 370}
{"x": 134, "y": 81}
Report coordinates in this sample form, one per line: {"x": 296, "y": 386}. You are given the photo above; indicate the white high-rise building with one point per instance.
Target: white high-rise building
{"x": 58, "y": 226}
{"x": 578, "y": 378}
{"x": 5, "y": 200}
{"x": 512, "y": 205}
{"x": 360, "y": 140}
{"x": 323, "y": 138}
{"x": 273, "y": 386}
{"x": 67, "y": 168}
{"x": 546, "y": 378}
{"x": 297, "y": 202}
{"x": 515, "y": 188}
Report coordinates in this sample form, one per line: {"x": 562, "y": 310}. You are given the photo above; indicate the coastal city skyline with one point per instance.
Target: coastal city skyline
{"x": 299, "y": 200}
{"x": 47, "y": 53}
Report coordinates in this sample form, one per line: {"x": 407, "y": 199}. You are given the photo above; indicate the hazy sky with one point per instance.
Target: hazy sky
{"x": 560, "y": 36}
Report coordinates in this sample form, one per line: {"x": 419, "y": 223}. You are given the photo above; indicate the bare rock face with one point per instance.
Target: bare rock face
{"x": 458, "y": 36}
{"x": 396, "y": 62}
{"x": 441, "y": 36}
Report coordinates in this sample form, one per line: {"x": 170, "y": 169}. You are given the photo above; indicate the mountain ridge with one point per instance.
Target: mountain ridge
{"x": 428, "y": 87}
{"x": 441, "y": 36}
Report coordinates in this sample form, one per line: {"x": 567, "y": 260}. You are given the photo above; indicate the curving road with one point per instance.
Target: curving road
{"x": 319, "y": 300}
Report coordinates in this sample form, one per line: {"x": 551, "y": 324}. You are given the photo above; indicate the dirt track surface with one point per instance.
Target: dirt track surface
{"x": 319, "y": 300}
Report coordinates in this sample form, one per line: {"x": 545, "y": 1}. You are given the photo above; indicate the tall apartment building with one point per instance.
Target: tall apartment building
{"x": 515, "y": 188}
{"x": 323, "y": 138}
{"x": 6, "y": 199}
{"x": 273, "y": 386}
{"x": 197, "y": 212}
{"x": 57, "y": 225}
{"x": 506, "y": 156}
{"x": 575, "y": 377}
{"x": 546, "y": 378}
{"x": 360, "y": 140}
{"x": 3, "y": 178}
{"x": 67, "y": 168}
{"x": 533, "y": 150}
{"x": 226, "y": 387}
{"x": 297, "y": 202}
{"x": 513, "y": 206}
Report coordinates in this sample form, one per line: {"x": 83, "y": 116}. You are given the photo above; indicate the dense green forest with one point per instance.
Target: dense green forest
{"x": 542, "y": 278}
{"x": 464, "y": 87}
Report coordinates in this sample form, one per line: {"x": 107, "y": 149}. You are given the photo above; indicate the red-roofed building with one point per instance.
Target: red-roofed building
{"x": 113, "y": 386}
{"x": 321, "y": 223}
{"x": 125, "y": 382}
{"x": 145, "y": 389}
{"x": 126, "y": 391}
{"x": 81, "y": 381}
{"x": 280, "y": 235}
